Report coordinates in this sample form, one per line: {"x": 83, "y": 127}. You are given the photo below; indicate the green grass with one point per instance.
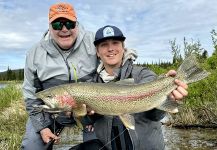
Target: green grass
{"x": 9, "y": 94}
{"x": 12, "y": 116}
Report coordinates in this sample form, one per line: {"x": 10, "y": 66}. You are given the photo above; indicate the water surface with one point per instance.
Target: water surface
{"x": 2, "y": 85}
{"x": 175, "y": 139}
{"x": 188, "y": 139}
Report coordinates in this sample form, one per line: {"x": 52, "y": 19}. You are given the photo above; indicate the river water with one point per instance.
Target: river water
{"x": 175, "y": 139}
{"x": 188, "y": 139}
{"x": 3, "y": 85}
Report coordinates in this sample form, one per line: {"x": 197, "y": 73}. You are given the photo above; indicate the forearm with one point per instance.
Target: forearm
{"x": 40, "y": 120}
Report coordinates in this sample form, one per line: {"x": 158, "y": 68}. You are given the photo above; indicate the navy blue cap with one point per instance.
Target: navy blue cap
{"x": 108, "y": 32}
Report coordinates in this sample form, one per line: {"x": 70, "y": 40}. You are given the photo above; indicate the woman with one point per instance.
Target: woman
{"x": 117, "y": 64}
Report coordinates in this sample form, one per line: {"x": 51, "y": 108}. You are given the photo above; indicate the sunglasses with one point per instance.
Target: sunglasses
{"x": 58, "y": 25}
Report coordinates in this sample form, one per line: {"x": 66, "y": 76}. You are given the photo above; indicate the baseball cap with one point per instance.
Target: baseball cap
{"x": 62, "y": 10}
{"x": 108, "y": 32}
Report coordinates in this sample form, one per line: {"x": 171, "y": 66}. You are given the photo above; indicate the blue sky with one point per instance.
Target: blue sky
{"x": 149, "y": 25}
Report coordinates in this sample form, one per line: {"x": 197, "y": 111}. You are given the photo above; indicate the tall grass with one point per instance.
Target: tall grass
{"x": 12, "y": 117}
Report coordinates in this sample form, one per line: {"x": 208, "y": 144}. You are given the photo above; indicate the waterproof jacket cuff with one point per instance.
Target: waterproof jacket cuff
{"x": 41, "y": 121}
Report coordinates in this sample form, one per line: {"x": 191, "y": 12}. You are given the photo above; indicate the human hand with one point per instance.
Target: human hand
{"x": 47, "y": 136}
{"x": 90, "y": 128}
{"x": 89, "y": 111}
{"x": 181, "y": 91}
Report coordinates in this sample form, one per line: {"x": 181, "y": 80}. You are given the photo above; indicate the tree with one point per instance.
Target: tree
{"x": 9, "y": 74}
{"x": 214, "y": 40}
{"x": 177, "y": 57}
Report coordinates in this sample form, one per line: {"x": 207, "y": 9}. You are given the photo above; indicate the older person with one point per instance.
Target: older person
{"x": 65, "y": 54}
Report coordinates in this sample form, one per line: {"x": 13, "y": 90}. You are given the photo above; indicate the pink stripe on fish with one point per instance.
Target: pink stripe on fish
{"x": 130, "y": 97}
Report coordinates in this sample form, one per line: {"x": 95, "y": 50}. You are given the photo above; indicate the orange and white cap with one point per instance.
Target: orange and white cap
{"x": 62, "y": 10}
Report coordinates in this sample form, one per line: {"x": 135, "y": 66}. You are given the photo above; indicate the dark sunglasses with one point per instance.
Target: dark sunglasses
{"x": 58, "y": 25}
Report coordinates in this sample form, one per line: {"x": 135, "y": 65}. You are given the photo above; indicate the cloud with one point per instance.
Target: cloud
{"x": 148, "y": 25}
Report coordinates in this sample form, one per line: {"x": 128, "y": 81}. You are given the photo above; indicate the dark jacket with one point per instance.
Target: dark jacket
{"x": 147, "y": 134}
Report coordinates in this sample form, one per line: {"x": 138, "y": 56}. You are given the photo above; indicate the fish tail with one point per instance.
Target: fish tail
{"x": 190, "y": 71}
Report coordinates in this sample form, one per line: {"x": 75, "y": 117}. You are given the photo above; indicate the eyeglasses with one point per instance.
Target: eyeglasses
{"x": 58, "y": 25}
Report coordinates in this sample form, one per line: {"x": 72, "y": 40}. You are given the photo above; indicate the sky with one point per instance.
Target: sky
{"x": 148, "y": 25}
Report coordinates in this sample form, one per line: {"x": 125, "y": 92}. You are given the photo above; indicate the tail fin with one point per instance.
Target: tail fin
{"x": 190, "y": 71}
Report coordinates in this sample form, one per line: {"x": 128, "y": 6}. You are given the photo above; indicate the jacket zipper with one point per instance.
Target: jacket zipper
{"x": 68, "y": 67}
{"x": 128, "y": 130}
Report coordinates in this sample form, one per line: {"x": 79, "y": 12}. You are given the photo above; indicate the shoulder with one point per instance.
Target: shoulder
{"x": 35, "y": 50}
{"x": 87, "y": 35}
{"x": 143, "y": 74}
{"x": 86, "y": 38}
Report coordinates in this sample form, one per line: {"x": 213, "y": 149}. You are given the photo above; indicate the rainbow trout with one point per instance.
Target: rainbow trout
{"x": 120, "y": 99}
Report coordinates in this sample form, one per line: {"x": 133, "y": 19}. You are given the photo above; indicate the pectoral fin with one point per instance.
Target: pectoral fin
{"x": 170, "y": 106}
{"x": 78, "y": 113}
{"x": 128, "y": 121}
{"x": 80, "y": 110}
{"x": 78, "y": 122}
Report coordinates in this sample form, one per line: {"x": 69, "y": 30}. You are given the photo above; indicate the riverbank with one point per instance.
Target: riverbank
{"x": 203, "y": 117}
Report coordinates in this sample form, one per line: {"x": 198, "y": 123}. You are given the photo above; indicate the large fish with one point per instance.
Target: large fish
{"x": 121, "y": 99}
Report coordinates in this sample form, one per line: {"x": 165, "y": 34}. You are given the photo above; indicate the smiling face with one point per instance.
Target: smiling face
{"x": 64, "y": 38}
{"x": 111, "y": 52}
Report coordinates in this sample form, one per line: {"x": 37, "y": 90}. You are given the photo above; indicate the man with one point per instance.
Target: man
{"x": 65, "y": 54}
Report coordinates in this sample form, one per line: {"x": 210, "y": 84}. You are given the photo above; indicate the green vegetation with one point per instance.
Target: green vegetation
{"x": 13, "y": 117}
{"x": 12, "y": 75}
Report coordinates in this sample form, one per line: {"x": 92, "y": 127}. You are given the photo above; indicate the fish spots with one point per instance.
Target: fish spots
{"x": 66, "y": 100}
{"x": 130, "y": 97}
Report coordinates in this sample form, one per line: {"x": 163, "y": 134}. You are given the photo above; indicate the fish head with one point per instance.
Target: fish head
{"x": 57, "y": 98}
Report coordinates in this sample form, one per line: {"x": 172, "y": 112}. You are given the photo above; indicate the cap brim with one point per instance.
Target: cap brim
{"x": 96, "y": 42}
{"x": 72, "y": 18}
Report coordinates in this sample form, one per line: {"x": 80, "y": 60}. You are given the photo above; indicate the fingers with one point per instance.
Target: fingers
{"x": 68, "y": 113}
{"x": 182, "y": 84}
{"x": 89, "y": 111}
{"x": 47, "y": 135}
{"x": 177, "y": 95}
{"x": 171, "y": 73}
{"x": 180, "y": 92}
{"x": 90, "y": 128}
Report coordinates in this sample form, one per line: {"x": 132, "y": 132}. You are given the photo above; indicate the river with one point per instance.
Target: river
{"x": 2, "y": 85}
{"x": 176, "y": 139}
{"x": 185, "y": 139}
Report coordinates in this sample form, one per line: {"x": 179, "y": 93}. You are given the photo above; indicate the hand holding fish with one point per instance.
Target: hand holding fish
{"x": 181, "y": 91}
{"x": 47, "y": 135}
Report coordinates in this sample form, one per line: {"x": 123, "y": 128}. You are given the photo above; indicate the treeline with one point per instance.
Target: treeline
{"x": 179, "y": 52}
{"x": 10, "y": 75}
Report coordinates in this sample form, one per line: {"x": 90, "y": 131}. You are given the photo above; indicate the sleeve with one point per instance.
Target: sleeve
{"x": 39, "y": 120}
{"x": 144, "y": 75}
